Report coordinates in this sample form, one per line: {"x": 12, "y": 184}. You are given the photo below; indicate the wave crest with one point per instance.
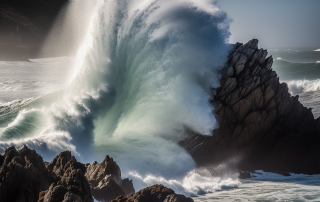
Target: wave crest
{"x": 302, "y": 86}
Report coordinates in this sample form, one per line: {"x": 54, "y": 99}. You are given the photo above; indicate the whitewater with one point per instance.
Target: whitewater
{"x": 142, "y": 74}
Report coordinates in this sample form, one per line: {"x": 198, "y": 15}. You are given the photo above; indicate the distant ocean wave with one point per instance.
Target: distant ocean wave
{"x": 291, "y": 62}
{"x": 302, "y": 86}
{"x": 317, "y": 50}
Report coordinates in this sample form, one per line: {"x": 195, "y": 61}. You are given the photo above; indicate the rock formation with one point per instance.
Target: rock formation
{"x": 71, "y": 184}
{"x": 105, "y": 180}
{"x": 156, "y": 193}
{"x": 23, "y": 175}
{"x": 261, "y": 126}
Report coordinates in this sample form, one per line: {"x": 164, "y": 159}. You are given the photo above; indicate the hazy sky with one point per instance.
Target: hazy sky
{"x": 276, "y": 23}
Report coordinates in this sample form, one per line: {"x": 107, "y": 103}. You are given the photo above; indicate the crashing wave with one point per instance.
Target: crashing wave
{"x": 302, "y": 86}
{"x": 143, "y": 74}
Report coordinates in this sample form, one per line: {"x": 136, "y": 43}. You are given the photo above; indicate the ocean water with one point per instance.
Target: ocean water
{"x": 300, "y": 69}
{"x": 142, "y": 73}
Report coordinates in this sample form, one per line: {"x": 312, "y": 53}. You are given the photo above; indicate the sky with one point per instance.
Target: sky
{"x": 276, "y": 23}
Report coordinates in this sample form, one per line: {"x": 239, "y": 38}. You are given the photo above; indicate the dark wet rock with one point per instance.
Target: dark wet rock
{"x": 25, "y": 177}
{"x": 244, "y": 175}
{"x": 71, "y": 185}
{"x": 156, "y": 193}
{"x": 22, "y": 175}
{"x": 261, "y": 126}
{"x": 105, "y": 180}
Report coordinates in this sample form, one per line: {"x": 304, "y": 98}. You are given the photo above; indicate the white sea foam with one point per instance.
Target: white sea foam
{"x": 301, "y": 86}
{"x": 317, "y": 50}
{"x": 270, "y": 187}
{"x": 192, "y": 184}
{"x": 48, "y": 145}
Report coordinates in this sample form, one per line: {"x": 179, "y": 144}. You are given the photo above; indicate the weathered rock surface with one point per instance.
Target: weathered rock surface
{"x": 156, "y": 193}
{"x": 72, "y": 184}
{"x": 261, "y": 126}
{"x": 23, "y": 175}
{"x": 105, "y": 180}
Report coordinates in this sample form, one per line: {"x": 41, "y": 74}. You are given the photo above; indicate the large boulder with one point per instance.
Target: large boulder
{"x": 156, "y": 193}
{"x": 105, "y": 180}
{"x": 261, "y": 126}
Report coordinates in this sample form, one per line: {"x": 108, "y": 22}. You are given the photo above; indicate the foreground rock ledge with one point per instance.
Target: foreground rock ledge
{"x": 156, "y": 193}
{"x": 24, "y": 177}
{"x": 261, "y": 126}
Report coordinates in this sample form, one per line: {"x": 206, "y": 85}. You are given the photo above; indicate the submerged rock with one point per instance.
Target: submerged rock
{"x": 261, "y": 126}
{"x": 105, "y": 180}
{"x": 156, "y": 193}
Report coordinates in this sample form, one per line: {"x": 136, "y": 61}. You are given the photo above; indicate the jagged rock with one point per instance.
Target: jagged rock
{"x": 261, "y": 127}
{"x": 22, "y": 175}
{"x": 156, "y": 193}
{"x": 72, "y": 184}
{"x": 105, "y": 180}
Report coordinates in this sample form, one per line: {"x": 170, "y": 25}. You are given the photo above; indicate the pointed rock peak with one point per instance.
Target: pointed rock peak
{"x": 10, "y": 150}
{"x": 66, "y": 154}
{"x": 10, "y": 153}
{"x": 108, "y": 159}
{"x": 24, "y": 149}
{"x": 237, "y": 45}
{"x": 253, "y": 43}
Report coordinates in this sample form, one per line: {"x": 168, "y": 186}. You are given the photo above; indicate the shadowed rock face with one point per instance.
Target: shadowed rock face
{"x": 105, "y": 180}
{"x": 71, "y": 184}
{"x": 156, "y": 193}
{"x": 22, "y": 175}
{"x": 261, "y": 126}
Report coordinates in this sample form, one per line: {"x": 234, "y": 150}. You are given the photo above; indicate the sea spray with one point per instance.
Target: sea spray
{"x": 144, "y": 73}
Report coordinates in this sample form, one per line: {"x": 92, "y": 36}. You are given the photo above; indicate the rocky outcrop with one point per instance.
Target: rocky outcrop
{"x": 156, "y": 193}
{"x": 261, "y": 126}
{"x": 23, "y": 175}
{"x": 105, "y": 180}
{"x": 72, "y": 184}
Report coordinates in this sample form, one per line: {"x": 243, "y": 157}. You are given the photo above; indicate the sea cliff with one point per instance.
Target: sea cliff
{"x": 261, "y": 126}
